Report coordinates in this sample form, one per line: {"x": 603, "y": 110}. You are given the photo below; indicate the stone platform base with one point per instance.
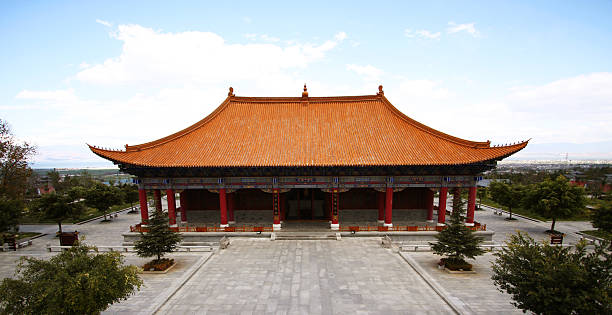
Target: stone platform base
{"x": 194, "y": 238}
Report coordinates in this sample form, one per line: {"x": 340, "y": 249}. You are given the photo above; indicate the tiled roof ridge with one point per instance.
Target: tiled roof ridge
{"x": 247, "y": 99}
{"x": 316, "y": 99}
{"x": 244, "y": 99}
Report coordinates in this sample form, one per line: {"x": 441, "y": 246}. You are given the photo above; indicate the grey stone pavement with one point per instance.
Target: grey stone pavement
{"x": 253, "y": 275}
{"x": 256, "y": 276}
{"x": 476, "y": 291}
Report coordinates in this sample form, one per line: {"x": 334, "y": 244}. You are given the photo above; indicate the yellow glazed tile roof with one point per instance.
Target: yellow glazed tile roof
{"x": 307, "y": 131}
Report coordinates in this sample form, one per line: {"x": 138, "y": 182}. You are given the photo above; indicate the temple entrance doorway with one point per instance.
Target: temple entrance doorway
{"x": 306, "y": 204}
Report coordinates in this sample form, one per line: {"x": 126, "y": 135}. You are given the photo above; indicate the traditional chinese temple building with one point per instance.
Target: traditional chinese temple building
{"x": 307, "y": 158}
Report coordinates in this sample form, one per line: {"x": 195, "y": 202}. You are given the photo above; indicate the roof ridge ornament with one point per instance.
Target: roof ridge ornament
{"x": 380, "y": 90}
{"x": 231, "y": 92}
{"x": 305, "y": 96}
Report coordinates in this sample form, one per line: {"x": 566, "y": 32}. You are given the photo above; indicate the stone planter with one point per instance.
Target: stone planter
{"x": 158, "y": 272}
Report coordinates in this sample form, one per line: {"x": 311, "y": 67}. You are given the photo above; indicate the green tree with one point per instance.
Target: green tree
{"x": 58, "y": 207}
{"x": 56, "y": 180}
{"x": 601, "y": 217}
{"x": 130, "y": 194}
{"x": 72, "y": 282}
{"x": 102, "y": 197}
{"x": 481, "y": 193}
{"x": 457, "y": 241}
{"x": 159, "y": 240}
{"x": 555, "y": 199}
{"x": 85, "y": 179}
{"x": 9, "y": 213}
{"x": 14, "y": 168}
{"x": 14, "y": 177}
{"x": 508, "y": 195}
{"x": 547, "y": 279}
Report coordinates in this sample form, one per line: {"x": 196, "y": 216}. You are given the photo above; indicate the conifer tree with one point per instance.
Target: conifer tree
{"x": 457, "y": 241}
{"x": 159, "y": 240}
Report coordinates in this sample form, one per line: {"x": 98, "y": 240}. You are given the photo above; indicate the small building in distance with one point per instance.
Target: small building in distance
{"x": 308, "y": 159}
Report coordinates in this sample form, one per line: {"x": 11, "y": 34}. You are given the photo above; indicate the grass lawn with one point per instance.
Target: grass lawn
{"x": 89, "y": 213}
{"x": 23, "y": 235}
{"x": 598, "y": 233}
{"x": 579, "y": 217}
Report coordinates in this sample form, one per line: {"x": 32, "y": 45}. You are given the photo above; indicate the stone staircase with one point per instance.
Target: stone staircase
{"x": 312, "y": 236}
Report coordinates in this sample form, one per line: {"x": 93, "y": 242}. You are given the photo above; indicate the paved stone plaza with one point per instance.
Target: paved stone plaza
{"x": 306, "y": 277}
{"x": 255, "y": 275}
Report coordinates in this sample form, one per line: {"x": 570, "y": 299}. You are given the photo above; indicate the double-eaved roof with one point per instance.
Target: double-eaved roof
{"x": 343, "y": 131}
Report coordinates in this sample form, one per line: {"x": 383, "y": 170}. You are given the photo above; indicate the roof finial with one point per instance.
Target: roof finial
{"x": 231, "y": 92}
{"x": 380, "y": 90}
{"x": 305, "y": 93}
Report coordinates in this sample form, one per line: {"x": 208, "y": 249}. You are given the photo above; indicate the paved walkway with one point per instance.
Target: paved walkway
{"x": 353, "y": 275}
{"x": 476, "y": 292}
{"x": 257, "y": 276}
{"x": 504, "y": 228}
{"x": 155, "y": 285}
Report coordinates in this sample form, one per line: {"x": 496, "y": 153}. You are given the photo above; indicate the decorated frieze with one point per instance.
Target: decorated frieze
{"x": 323, "y": 182}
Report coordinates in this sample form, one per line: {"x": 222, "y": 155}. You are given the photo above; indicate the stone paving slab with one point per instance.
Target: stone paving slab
{"x": 476, "y": 291}
{"x": 306, "y": 277}
{"x": 154, "y": 285}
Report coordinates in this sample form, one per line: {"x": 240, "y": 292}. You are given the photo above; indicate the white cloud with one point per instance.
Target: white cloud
{"x": 570, "y": 110}
{"x": 105, "y": 23}
{"x": 179, "y": 77}
{"x": 340, "y": 36}
{"x": 56, "y": 95}
{"x": 422, "y": 90}
{"x": 267, "y": 38}
{"x": 163, "y": 59}
{"x": 468, "y": 27}
{"x": 575, "y": 109}
{"x": 425, "y": 34}
{"x": 428, "y": 34}
{"x": 368, "y": 72}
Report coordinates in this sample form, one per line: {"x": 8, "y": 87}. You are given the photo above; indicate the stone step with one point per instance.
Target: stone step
{"x": 292, "y": 237}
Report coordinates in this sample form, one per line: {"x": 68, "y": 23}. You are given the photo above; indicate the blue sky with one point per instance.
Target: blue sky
{"x": 129, "y": 72}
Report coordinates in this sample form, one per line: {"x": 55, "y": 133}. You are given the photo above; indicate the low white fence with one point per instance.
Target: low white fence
{"x": 126, "y": 249}
{"x": 427, "y": 247}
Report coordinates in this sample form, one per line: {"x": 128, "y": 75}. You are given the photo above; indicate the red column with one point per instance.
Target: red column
{"x": 389, "y": 207}
{"x": 469, "y": 220}
{"x": 381, "y": 206}
{"x": 276, "y": 209}
{"x": 183, "y": 201}
{"x": 230, "y": 208}
{"x": 430, "y": 205}
{"x": 144, "y": 208}
{"x": 335, "y": 205}
{"x": 157, "y": 198}
{"x": 223, "y": 207}
{"x": 171, "y": 207}
{"x": 442, "y": 206}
